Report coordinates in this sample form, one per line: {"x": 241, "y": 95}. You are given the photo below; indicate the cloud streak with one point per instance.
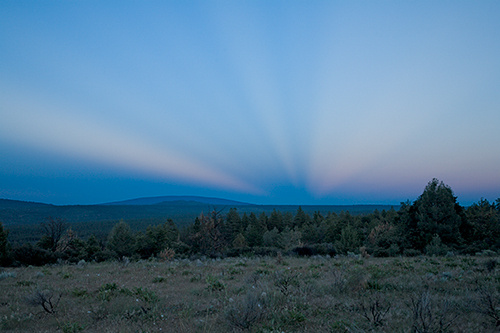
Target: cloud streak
{"x": 52, "y": 129}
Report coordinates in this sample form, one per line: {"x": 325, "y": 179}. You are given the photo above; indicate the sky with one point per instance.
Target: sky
{"x": 268, "y": 102}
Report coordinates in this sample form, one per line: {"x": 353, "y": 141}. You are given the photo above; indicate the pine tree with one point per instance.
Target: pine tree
{"x": 434, "y": 212}
{"x": 210, "y": 238}
{"x": 287, "y": 220}
{"x": 239, "y": 241}
{"x": 482, "y": 227}
{"x": 271, "y": 238}
{"x": 4, "y": 246}
{"x": 121, "y": 240}
{"x": 245, "y": 221}
{"x": 300, "y": 218}
{"x": 93, "y": 248}
{"x": 233, "y": 225}
{"x": 317, "y": 218}
{"x": 263, "y": 221}
{"x": 255, "y": 231}
{"x": 275, "y": 220}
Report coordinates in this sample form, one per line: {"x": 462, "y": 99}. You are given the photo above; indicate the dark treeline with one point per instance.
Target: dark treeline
{"x": 434, "y": 224}
{"x": 23, "y": 218}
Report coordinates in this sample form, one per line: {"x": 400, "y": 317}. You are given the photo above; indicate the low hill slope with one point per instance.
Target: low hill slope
{"x": 167, "y": 199}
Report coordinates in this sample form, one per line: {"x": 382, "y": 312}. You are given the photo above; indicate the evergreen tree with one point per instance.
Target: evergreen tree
{"x": 239, "y": 241}
{"x": 483, "y": 226}
{"x": 156, "y": 239}
{"x": 275, "y": 220}
{"x": 233, "y": 225}
{"x": 210, "y": 238}
{"x": 263, "y": 220}
{"x": 309, "y": 233}
{"x": 245, "y": 221}
{"x": 271, "y": 238}
{"x": 4, "y": 247}
{"x": 191, "y": 235}
{"x": 300, "y": 218}
{"x": 317, "y": 218}
{"x": 333, "y": 229}
{"x": 121, "y": 240}
{"x": 197, "y": 225}
{"x": 436, "y": 247}
{"x": 93, "y": 248}
{"x": 287, "y": 220}
{"x": 289, "y": 239}
{"x": 255, "y": 231}
{"x": 46, "y": 242}
{"x": 434, "y": 212}
{"x": 349, "y": 240}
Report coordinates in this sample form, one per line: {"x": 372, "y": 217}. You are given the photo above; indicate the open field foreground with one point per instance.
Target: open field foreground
{"x": 319, "y": 294}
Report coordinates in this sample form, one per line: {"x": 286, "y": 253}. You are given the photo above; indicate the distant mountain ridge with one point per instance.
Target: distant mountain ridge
{"x": 172, "y": 198}
{"x": 9, "y": 203}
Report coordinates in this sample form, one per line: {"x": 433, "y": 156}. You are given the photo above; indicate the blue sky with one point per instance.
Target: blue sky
{"x": 286, "y": 102}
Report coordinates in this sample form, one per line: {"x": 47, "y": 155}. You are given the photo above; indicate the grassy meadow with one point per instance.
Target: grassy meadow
{"x": 261, "y": 294}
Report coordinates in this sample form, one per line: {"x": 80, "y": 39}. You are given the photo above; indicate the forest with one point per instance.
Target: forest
{"x": 433, "y": 224}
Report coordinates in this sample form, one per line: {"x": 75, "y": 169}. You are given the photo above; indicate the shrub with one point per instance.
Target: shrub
{"x": 28, "y": 254}
{"x": 304, "y": 251}
{"x": 265, "y": 251}
{"x": 324, "y": 249}
{"x": 45, "y": 299}
{"x": 24, "y": 283}
{"x": 213, "y": 284}
{"x": 245, "y": 314}
{"x": 159, "y": 279}
{"x": 166, "y": 254}
{"x": 293, "y": 318}
{"x": 490, "y": 265}
{"x": 239, "y": 251}
{"x": 357, "y": 280}
{"x": 486, "y": 253}
{"x": 428, "y": 316}
{"x": 338, "y": 280}
{"x": 436, "y": 247}
{"x": 147, "y": 296}
{"x": 375, "y": 311}
{"x": 107, "y": 291}
{"x": 391, "y": 251}
{"x": 79, "y": 292}
{"x": 285, "y": 280}
{"x": 4, "y": 275}
{"x": 487, "y": 303}
{"x": 72, "y": 327}
{"x": 181, "y": 248}
{"x": 411, "y": 253}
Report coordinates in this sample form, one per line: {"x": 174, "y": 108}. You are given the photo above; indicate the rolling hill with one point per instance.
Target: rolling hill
{"x": 171, "y": 198}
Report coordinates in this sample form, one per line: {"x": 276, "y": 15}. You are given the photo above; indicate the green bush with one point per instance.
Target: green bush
{"x": 28, "y": 254}
{"x": 436, "y": 247}
{"x": 324, "y": 249}
{"x": 411, "y": 253}
{"x": 72, "y": 327}
{"x": 239, "y": 251}
{"x": 213, "y": 284}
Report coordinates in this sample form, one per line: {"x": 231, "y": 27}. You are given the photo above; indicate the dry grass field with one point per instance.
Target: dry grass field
{"x": 319, "y": 294}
